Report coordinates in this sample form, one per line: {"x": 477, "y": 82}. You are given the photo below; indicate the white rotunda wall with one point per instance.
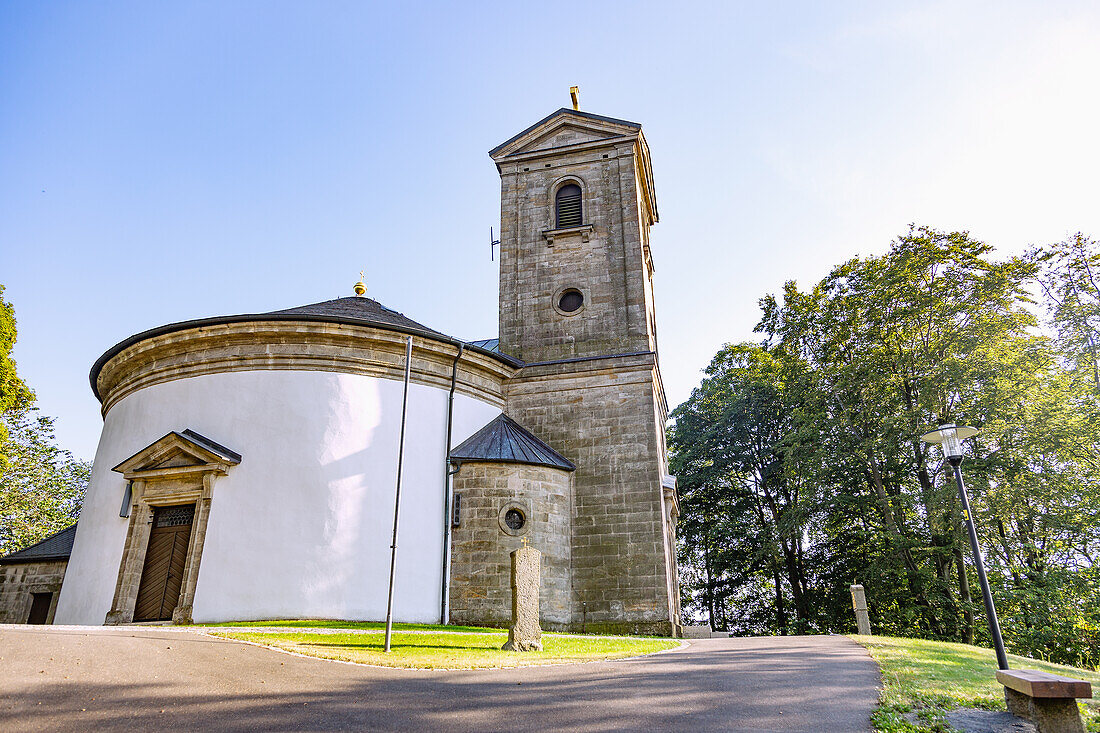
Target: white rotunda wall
{"x": 302, "y": 527}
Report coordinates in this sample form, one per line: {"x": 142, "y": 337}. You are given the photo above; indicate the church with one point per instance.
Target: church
{"x": 247, "y": 463}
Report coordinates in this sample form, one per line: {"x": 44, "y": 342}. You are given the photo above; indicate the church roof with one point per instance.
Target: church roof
{"x": 57, "y": 546}
{"x": 361, "y": 309}
{"x": 505, "y": 441}
{"x": 354, "y": 310}
{"x": 491, "y": 345}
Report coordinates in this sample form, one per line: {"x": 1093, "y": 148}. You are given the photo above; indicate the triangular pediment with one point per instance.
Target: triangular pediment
{"x": 566, "y": 134}
{"x": 564, "y": 128}
{"x": 178, "y": 453}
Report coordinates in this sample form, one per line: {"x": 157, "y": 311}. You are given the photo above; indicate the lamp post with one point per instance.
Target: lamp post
{"x": 948, "y": 437}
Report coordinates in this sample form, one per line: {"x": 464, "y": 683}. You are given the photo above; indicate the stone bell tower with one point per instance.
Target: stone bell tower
{"x": 576, "y": 205}
{"x": 576, "y": 306}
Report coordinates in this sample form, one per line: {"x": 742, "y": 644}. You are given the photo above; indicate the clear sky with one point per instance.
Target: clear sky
{"x": 166, "y": 161}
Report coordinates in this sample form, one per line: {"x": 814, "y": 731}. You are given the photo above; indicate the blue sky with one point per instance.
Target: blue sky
{"x": 167, "y": 161}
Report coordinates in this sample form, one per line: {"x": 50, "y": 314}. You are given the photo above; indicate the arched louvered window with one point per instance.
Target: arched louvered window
{"x": 569, "y": 206}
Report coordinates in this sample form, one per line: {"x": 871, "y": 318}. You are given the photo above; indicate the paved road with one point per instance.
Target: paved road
{"x": 92, "y": 678}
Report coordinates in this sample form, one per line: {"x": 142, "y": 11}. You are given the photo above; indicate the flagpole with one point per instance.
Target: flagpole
{"x": 397, "y": 494}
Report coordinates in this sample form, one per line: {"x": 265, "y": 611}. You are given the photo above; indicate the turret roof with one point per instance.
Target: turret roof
{"x": 505, "y": 441}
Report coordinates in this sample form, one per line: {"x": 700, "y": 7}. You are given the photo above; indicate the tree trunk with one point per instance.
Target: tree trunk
{"x": 780, "y": 605}
{"x": 964, "y": 595}
{"x": 710, "y": 577}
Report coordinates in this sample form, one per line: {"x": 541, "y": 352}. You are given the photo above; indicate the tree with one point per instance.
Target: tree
{"x": 1071, "y": 284}
{"x": 898, "y": 343}
{"x": 41, "y": 485}
{"x": 802, "y": 453}
{"x": 733, "y": 443}
{"x": 13, "y": 392}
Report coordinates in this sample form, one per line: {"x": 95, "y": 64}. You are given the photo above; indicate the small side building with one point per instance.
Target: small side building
{"x": 511, "y": 488}
{"x": 30, "y": 579}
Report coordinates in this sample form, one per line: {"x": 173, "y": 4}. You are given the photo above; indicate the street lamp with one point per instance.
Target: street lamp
{"x": 948, "y": 437}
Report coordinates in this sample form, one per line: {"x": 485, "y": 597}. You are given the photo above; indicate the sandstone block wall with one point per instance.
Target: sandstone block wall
{"x": 481, "y": 591}
{"x": 19, "y": 580}
{"x": 604, "y": 259}
{"x": 602, "y": 415}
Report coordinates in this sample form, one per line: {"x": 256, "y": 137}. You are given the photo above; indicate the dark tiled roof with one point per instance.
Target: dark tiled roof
{"x": 563, "y": 110}
{"x": 360, "y": 309}
{"x": 353, "y": 310}
{"x": 506, "y": 441}
{"x": 55, "y": 547}
{"x": 490, "y": 345}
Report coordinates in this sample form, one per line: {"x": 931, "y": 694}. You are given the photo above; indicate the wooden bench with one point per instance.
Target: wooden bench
{"x": 1047, "y": 700}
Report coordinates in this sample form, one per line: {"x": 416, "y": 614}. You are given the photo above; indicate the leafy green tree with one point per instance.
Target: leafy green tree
{"x": 42, "y": 486}
{"x": 804, "y": 471}
{"x": 13, "y": 392}
{"x": 899, "y": 343}
{"x": 732, "y": 443}
{"x": 1071, "y": 283}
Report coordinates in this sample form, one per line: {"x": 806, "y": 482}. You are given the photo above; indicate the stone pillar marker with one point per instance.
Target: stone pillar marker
{"x": 525, "y": 634}
{"x": 859, "y": 603}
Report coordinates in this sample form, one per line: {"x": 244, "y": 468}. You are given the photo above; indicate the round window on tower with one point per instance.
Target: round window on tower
{"x": 569, "y": 302}
{"x": 513, "y": 518}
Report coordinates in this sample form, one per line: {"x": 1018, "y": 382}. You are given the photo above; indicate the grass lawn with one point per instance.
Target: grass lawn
{"x": 933, "y": 677}
{"x": 325, "y": 623}
{"x": 450, "y": 650}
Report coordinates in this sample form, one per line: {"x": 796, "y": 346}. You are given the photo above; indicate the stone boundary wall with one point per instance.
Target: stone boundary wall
{"x": 19, "y": 580}
{"x": 305, "y": 346}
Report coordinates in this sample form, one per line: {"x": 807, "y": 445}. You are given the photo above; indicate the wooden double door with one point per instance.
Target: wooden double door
{"x": 162, "y": 574}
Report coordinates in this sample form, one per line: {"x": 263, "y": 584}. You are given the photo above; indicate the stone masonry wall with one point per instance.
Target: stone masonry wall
{"x": 604, "y": 259}
{"x": 481, "y": 591}
{"x": 19, "y": 580}
{"x": 601, "y": 414}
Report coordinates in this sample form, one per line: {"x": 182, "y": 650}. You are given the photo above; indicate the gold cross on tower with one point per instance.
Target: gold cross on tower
{"x": 524, "y": 540}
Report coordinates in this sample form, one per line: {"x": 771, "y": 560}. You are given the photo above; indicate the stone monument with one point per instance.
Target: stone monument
{"x": 859, "y": 604}
{"x": 525, "y": 635}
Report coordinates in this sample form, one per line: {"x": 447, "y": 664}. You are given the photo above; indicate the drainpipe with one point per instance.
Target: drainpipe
{"x": 448, "y": 496}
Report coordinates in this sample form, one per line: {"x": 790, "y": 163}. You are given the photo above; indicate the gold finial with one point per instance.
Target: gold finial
{"x": 524, "y": 540}
{"x": 573, "y": 92}
{"x": 360, "y": 287}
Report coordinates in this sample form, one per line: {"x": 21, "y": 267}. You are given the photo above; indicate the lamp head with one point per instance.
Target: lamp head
{"x": 949, "y": 437}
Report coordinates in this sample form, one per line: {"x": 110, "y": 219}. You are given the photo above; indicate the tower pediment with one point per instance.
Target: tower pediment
{"x": 564, "y": 128}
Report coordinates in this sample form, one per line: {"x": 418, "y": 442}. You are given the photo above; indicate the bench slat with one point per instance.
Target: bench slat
{"x": 1034, "y": 683}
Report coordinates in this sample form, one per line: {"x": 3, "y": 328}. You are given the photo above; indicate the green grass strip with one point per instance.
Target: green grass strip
{"x": 930, "y": 678}
{"x": 475, "y": 650}
{"x": 338, "y": 624}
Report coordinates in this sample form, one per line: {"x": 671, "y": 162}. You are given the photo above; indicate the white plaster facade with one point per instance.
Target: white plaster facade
{"x": 302, "y": 527}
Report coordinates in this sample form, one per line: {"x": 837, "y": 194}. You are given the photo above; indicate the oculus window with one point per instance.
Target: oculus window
{"x": 570, "y": 301}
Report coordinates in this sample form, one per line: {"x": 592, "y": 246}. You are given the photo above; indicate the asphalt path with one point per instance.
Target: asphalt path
{"x": 143, "y": 678}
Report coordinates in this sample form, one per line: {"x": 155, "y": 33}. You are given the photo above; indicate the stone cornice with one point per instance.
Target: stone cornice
{"x": 604, "y": 142}
{"x": 295, "y": 345}
{"x": 640, "y": 366}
